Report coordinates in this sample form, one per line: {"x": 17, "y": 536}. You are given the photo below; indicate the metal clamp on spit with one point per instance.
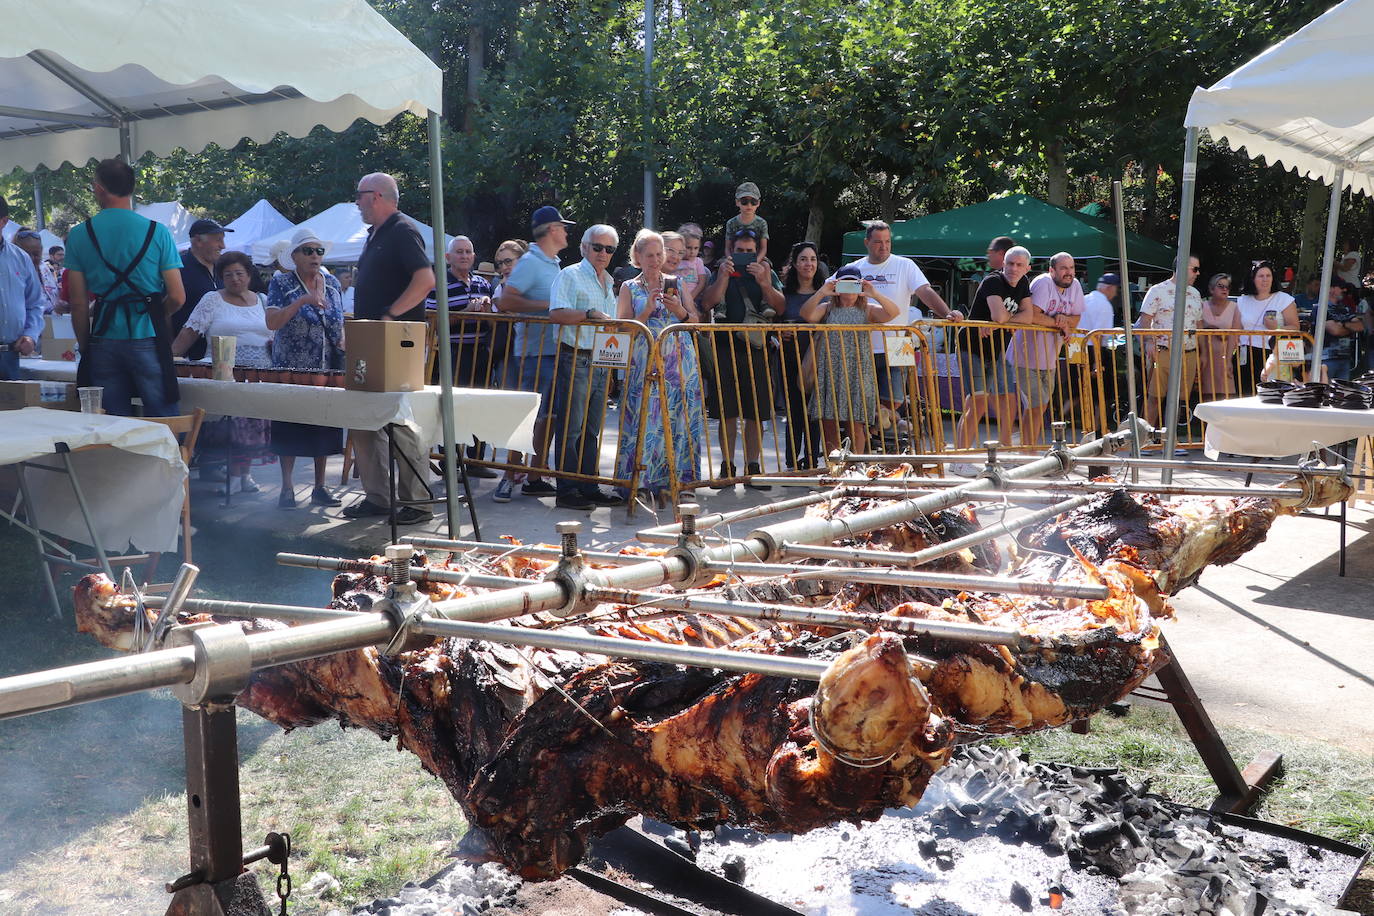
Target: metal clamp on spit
{"x": 993, "y": 469}
{"x": 404, "y": 603}
{"x": 176, "y": 597}
{"x": 690, "y": 549}
{"x": 1059, "y": 449}
{"x": 224, "y": 662}
{"x": 571, "y": 572}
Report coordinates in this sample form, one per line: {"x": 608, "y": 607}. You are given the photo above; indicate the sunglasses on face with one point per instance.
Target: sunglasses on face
{"x": 747, "y": 201}
{"x": 601, "y": 249}
{"x": 359, "y": 195}
{"x": 504, "y": 261}
{"x": 27, "y": 234}
{"x": 309, "y": 250}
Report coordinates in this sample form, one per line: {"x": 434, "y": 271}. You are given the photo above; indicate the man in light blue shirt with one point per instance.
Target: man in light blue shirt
{"x": 583, "y": 295}
{"x": 21, "y": 303}
{"x": 530, "y": 366}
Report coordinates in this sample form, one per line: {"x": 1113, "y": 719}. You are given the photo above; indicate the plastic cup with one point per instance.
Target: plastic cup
{"x": 90, "y": 399}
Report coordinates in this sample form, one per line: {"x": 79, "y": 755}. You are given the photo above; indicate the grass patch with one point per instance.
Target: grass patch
{"x": 1324, "y": 790}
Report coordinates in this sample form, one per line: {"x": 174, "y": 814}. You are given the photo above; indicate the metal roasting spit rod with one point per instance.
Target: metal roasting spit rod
{"x": 1004, "y": 584}
{"x": 56, "y": 688}
{"x": 250, "y": 609}
{"x": 747, "y": 662}
{"x": 1176, "y": 464}
{"x": 944, "y": 549}
{"x": 512, "y": 550}
{"x": 953, "y": 631}
{"x": 419, "y": 573}
{"x": 1070, "y": 486}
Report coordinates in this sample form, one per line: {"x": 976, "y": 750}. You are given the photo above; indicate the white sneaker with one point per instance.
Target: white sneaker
{"x": 246, "y": 484}
{"x": 965, "y": 470}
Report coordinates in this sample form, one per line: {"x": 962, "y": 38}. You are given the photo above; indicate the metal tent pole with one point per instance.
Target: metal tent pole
{"x": 1328, "y": 263}
{"x": 1127, "y": 319}
{"x": 1181, "y": 284}
{"x": 436, "y": 208}
{"x": 650, "y": 217}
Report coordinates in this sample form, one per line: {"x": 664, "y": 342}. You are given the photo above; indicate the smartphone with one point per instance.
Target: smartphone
{"x": 849, "y": 287}
{"x": 743, "y": 259}
{"x": 1272, "y": 315}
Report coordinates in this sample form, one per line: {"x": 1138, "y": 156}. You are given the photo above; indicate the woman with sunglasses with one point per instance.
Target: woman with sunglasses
{"x": 1217, "y": 377}
{"x": 305, "y": 309}
{"x": 802, "y": 276}
{"x": 1263, "y": 309}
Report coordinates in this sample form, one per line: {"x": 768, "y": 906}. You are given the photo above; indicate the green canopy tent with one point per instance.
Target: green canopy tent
{"x": 1043, "y": 228}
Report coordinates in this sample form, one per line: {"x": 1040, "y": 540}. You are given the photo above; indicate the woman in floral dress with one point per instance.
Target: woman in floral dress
{"x": 658, "y": 300}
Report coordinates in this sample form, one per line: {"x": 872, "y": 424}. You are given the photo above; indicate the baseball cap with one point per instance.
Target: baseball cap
{"x": 1109, "y": 280}
{"x": 849, "y": 271}
{"x": 545, "y": 215}
{"x": 207, "y": 227}
{"x": 748, "y": 189}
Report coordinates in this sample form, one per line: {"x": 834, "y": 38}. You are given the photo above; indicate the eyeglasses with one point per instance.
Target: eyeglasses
{"x": 359, "y": 195}
{"x": 306, "y": 249}
{"x": 602, "y": 249}
{"x": 1193, "y": 270}
{"x": 747, "y": 201}
{"x": 1222, "y": 286}
{"x": 502, "y": 262}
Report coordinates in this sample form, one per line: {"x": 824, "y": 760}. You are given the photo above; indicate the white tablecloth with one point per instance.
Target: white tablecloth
{"x": 133, "y": 489}
{"x": 504, "y": 419}
{"x": 1248, "y": 426}
{"x": 49, "y": 370}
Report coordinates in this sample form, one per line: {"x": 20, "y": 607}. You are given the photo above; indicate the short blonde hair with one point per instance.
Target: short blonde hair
{"x": 519, "y": 246}
{"x": 642, "y": 238}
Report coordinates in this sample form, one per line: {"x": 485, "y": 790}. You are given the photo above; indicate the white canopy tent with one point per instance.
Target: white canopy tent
{"x": 343, "y": 228}
{"x": 257, "y": 222}
{"x": 138, "y": 76}
{"x": 1291, "y": 105}
{"x": 174, "y": 216}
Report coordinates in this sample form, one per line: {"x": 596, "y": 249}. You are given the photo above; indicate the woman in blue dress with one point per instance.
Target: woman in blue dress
{"x": 305, "y": 309}
{"x": 658, "y": 300}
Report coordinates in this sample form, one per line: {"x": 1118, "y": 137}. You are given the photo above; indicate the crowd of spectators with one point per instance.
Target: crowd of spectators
{"x": 809, "y": 347}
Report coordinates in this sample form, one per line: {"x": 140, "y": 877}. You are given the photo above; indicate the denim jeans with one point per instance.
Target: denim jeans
{"x": 579, "y": 400}
{"x": 9, "y": 366}
{"x": 127, "y": 369}
{"x": 1337, "y": 367}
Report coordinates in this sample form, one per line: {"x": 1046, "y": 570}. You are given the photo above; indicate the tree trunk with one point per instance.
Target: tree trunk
{"x": 477, "y": 48}
{"x": 888, "y": 198}
{"x": 1313, "y": 236}
{"x": 1149, "y": 223}
{"x": 815, "y": 217}
{"x": 1057, "y": 174}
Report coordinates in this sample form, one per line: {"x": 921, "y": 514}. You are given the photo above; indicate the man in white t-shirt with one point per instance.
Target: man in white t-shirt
{"x": 1098, "y": 311}
{"x": 898, "y": 279}
{"x": 1157, "y": 311}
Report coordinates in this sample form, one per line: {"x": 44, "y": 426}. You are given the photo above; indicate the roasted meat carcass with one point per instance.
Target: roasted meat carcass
{"x": 545, "y": 749}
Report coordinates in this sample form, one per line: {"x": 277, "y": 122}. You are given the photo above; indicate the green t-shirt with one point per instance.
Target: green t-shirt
{"x": 121, "y": 233}
{"x": 758, "y": 224}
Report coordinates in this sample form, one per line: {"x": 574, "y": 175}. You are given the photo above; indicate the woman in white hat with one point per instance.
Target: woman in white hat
{"x": 305, "y": 309}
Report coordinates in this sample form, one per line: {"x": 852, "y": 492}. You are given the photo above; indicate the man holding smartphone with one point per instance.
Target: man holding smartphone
{"x": 899, "y": 279}
{"x": 745, "y": 290}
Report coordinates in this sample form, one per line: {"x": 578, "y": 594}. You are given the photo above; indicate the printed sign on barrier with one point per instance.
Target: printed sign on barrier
{"x": 611, "y": 349}
{"x": 901, "y": 349}
{"x": 1290, "y": 350}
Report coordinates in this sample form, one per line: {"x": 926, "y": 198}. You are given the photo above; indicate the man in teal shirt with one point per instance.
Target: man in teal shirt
{"x": 124, "y": 280}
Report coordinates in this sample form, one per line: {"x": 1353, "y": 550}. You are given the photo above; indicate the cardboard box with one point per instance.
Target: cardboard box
{"x": 57, "y": 395}
{"x": 384, "y": 355}
{"x": 58, "y": 340}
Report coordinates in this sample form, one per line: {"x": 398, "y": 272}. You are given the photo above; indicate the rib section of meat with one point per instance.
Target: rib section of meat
{"x": 545, "y": 749}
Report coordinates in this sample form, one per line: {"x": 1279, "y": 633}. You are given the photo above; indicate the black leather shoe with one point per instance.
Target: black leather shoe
{"x": 480, "y": 472}
{"x": 322, "y": 497}
{"x": 727, "y": 470}
{"x": 364, "y": 509}
{"x": 410, "y": 515}
{"x": 605, "y": 499}
{"x": 287, "y": 500}
{"x": 573, "y": 501}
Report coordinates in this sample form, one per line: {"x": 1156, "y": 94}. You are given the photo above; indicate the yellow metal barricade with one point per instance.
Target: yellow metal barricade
{"x": 583, "y": 433}
{"x": 1217, "y": 364}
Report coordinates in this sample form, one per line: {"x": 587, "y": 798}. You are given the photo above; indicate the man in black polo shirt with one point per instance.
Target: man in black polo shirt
{"x": 394, "y": 277}
{"x": 198, "y": 275}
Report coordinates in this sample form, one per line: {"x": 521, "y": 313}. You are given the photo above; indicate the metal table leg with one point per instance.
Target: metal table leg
{"x": 31, "y": 514}
{"x": 85, "y": 512}
{"x": 391, "y": 478}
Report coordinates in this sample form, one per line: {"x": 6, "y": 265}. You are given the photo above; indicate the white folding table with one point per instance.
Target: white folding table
{"x": 503, "y": 418}
{"x": 1248, "y": 426}
{"x": 124, "y": 483}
